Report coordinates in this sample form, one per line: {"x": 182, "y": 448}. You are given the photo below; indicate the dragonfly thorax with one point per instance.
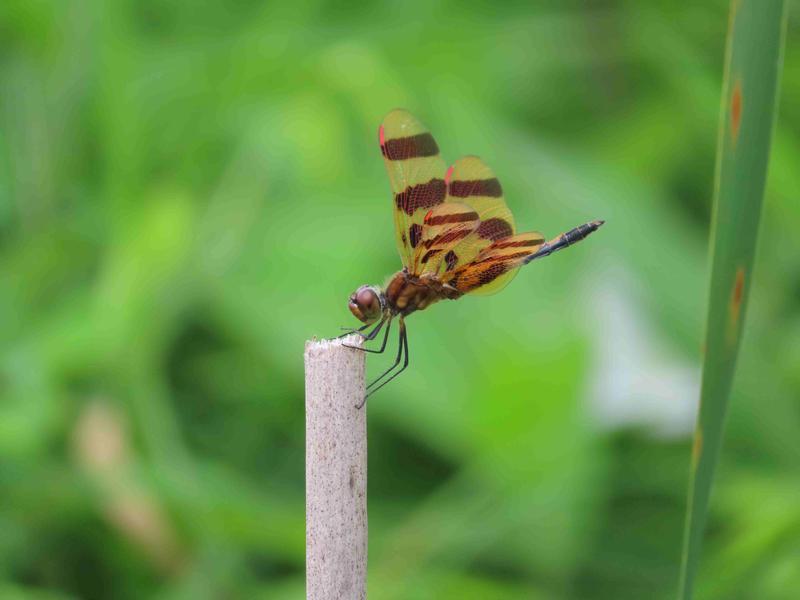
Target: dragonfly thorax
{"x": 408, "y": 293}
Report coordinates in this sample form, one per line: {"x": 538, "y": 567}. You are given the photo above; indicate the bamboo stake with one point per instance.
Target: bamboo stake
{"x": 336, "y": 471}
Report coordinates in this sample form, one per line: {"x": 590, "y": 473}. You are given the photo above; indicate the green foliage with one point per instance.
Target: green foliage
{"x": 752, "y": 69}
{"x": 189, "y": 191}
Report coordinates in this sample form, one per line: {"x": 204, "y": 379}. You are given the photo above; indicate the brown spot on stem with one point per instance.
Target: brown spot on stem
{"x": 736, "y": 297}
{"x": 736, "y": 110}
{"x": 697, "y": 447}
{"x": 737, "y": 294}
{"x": 738, "y": 287}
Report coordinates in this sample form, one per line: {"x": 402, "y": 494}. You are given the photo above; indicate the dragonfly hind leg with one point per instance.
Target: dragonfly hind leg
{"x": 353, "y": 330}
{"x": 402, "y": 354}
{"x": 366, "y": 336}
{"x": 372, "y": 335}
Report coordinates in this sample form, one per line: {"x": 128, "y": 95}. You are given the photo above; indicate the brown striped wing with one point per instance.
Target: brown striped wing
{"x": 495, "y": 266}
{"x": 416, "y": 174}
{"x": 444, "y": 227}
{"x": 471, "y": 181}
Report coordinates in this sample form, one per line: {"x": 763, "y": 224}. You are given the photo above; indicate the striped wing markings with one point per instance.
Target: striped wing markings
{"x": 471, "y": 181}
{"x": 444, "y": 228}
{"x": 416, "y": 175}
{"x": 496, "y": 265}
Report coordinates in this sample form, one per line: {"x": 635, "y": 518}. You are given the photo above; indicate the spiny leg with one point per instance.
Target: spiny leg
{"x": 404, "y": 342}
{"x": 401, "y": 347}
{"x": 372, "y": 335}
{"x": 352, "y": 330}
{"x": 365, "y": 336}
{"x": 397, "y": 359}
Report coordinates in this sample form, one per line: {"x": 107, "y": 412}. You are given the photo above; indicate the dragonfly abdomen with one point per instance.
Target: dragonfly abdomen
{"x": 565, "y": 239}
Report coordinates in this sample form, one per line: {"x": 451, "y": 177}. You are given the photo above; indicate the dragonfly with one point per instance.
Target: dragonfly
{"x": 454, "y": 232}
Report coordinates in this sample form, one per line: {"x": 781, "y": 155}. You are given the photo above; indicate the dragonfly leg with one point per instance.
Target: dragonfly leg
{"x": 372, "y": 334}
{"x": 352, "y": 330}
{"x": 402, "y": 350}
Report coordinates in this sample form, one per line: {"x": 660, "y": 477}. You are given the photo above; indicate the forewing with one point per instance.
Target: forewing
{"x": 495, "y": 266}
{"x": 470, "y": 181}
{"x": 443, "y": 229}
{"x": 416, "y": 174}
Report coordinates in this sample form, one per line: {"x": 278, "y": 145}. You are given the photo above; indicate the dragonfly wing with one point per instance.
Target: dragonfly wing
{"x": 416, "y": 175}
{"x": 471, "y": 181}
{"x": 443, "y": 229}
{"x": 495, "y": 266}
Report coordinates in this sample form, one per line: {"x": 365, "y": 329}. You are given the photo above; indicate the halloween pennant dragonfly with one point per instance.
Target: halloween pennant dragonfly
{"x": 454, "y": 233}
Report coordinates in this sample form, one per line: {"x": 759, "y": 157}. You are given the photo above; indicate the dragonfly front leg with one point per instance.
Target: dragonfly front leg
{"x": 352, "y": 330}
{"x": 372, "y": 334}
{"x": 402, "y": 350}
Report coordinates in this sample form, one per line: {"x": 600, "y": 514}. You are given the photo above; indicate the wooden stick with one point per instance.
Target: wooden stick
{"x": 336, "y": 471}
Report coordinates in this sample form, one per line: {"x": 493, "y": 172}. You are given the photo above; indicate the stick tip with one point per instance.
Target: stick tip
{"x": 316, "y": 346}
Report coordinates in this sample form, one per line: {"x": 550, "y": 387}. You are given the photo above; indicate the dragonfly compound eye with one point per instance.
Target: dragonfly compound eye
{"x": 365, "y": 304}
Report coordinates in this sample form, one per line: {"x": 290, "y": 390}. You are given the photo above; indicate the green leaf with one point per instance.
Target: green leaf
{"x": 752, "y": 66}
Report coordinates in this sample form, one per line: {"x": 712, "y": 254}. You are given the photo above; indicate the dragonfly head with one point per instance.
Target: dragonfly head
{"x": 367, "y": 304}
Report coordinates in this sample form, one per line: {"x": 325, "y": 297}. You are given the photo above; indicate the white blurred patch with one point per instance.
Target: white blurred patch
{"x": 638, "y": 381}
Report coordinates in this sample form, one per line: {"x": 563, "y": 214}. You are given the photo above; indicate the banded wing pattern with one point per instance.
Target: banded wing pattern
{"x": 496, "y": 265}
{"x": 444, "y": 228}
{"x": 489, "y": 257}
{"x": 416, "y": 174}
{"x": 471, "y": 181}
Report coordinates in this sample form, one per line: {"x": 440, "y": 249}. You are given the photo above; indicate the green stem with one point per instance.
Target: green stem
{"x": 752, "y": 66}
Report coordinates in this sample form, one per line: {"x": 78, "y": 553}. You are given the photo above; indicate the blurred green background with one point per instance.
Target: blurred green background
{"x": 190, "y": 190}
